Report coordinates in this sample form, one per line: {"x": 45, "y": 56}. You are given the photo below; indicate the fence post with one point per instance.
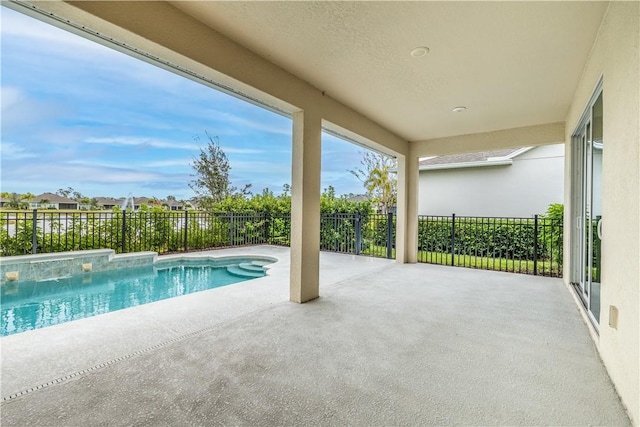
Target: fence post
{"x": 358, "y": 223}
{"x": 230, "y": 228}
{"x": 186, "y": 230}
{"x": 535, "y": 245}
{"x": 389, "y": 234}
{"x": 267, "y": 227}
{"x": 453, "y": 238}
{"x": 124, "y": 230}
{"x": 335, "y": 227}
{"x": 34, "y": 232}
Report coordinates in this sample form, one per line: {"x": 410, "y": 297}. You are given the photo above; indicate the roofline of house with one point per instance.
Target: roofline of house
{"x": 483, "y": 163}
{"x": 511, "y": 155}
{"x": 491, "y": 161}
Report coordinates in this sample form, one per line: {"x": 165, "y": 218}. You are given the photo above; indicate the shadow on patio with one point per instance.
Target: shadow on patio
{"x": 386, "y": 344}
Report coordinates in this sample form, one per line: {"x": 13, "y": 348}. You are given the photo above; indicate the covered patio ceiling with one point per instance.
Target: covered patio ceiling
{"x": 512, "y": 64}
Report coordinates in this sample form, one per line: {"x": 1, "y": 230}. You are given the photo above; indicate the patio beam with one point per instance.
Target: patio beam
{"x": 305, "y": 207}
{"x": 527, "y": 136}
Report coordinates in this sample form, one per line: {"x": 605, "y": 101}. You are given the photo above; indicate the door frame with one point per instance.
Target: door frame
{"x": 581, "y": 246}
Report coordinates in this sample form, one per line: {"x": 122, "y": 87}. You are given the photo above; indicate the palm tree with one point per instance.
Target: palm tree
{"x": 381, "y": 187}
{"x": 376, "y": 174}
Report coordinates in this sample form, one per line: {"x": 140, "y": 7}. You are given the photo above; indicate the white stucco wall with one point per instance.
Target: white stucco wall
{"x": 616, "y": 58}
{"x": 522, "y": 189}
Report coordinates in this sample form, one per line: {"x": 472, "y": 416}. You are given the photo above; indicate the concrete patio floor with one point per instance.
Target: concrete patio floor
{"x": 386, "y": 344}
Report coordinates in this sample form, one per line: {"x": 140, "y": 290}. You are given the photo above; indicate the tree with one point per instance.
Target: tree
{"x": 15, "y": 202}
{"x": 65, "y": 193}
{"x": 211, "y": 183}
{"x": 376, "y": 174}
{"x": 84, "y": 200}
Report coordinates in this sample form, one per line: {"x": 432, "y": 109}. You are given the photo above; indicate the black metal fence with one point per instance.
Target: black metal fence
{"x": 163, "y": 232}
{"x": 521, "y": 245}
{"x": 518, "y": 245}
{"x": 372, "y": 234}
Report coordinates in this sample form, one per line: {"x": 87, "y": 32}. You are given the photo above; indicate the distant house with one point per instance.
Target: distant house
{"x": 512, "y": 182}
{"x": 52, "y": 201}
{"x": 359, "y": 198}
{"x": 109, "y": 202}
{"x": 139, "y": 201}
{"x": 176, "y": 205}
{"x": 194, "y": 203}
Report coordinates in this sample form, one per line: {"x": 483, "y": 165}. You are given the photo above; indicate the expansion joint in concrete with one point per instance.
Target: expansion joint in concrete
{"x": 103, "y": 365}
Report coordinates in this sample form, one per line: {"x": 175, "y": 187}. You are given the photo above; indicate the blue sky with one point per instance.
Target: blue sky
{"x": 78, "y": 114}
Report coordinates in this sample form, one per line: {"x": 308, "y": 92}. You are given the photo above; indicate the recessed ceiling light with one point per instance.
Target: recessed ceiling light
{"x": 459, "y": 109}
{"x": 419, "y": 51}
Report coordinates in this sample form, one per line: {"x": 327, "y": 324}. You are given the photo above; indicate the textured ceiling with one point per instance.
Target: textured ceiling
{"x": 511, "y": 64}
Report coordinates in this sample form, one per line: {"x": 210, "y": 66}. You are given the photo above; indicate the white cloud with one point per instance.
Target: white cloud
{"x": 233, "y": 150}
{"x": 166, "y": 163}
{"x": 260, "y": 167}
{"x": 138, "y": 141}
{"x": 130, "y": 163}
{"x": 252, "y": 124}
{"x": 158, "y": 143}
{"x": 19, "y": 25}
{"x": 11, "y": 151}
{"x": 63, "y": 173}
{"x": 18, "y": 109}
{"x": 11, "y": 96}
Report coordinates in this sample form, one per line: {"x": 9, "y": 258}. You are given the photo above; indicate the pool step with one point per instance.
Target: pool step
{"x": 261, "y": 263}
{"x": 251, "y": 267}
{"x": 240, "y": 272}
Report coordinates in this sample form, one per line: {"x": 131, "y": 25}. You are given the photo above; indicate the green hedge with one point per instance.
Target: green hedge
{"x": 492, "y": 237}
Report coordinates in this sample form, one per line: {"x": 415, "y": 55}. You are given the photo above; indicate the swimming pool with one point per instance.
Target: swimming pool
{"x": 37, "y": 304}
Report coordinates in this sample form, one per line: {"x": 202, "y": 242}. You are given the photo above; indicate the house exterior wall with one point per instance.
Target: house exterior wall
{"x": 616, "y": 58}
{"x": 525, "y": 188}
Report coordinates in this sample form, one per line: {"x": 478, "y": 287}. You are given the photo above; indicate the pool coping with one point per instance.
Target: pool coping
{"x": 166, "y": 259}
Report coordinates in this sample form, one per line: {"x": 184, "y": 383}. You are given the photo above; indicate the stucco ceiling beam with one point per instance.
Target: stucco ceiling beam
{"x": 530, "y": 136}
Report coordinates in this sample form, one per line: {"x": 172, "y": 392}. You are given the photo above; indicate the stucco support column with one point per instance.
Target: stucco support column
{"x": 305, "y": 207}
{"x": 407, "y": 210}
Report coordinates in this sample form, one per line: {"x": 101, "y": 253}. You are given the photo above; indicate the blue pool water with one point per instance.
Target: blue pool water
{"x": 33, "y": 305}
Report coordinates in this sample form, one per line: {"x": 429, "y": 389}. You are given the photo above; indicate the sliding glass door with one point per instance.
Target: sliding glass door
{"x": 587, "y": 207}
